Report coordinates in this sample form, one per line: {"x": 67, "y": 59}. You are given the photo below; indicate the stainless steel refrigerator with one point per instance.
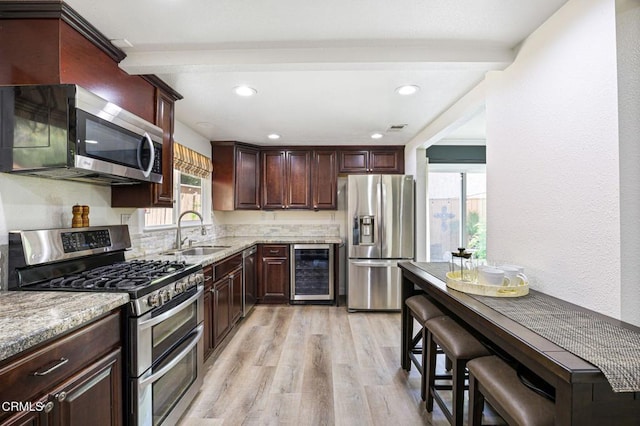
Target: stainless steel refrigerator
{"x": 380, "y": 214}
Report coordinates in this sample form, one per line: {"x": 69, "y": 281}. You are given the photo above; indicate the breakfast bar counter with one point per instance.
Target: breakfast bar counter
{"x": 583, "y": 395}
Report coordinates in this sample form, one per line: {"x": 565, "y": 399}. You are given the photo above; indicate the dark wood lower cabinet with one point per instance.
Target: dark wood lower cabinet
{"x": 79, "y": 381}
{"x": 222, "y": 300}
{"x": 221, "y": 310}
{"x": 273, "y": 280}
{"x": 93, "y": 397}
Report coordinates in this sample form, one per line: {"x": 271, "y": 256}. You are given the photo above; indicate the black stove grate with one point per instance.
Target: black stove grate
{"x": 135, "y": 276}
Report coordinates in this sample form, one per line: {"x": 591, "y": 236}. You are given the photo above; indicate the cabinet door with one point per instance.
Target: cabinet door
{"x": 273, "y": 179}
{"x": 354, "y": 161}
{"x": 298, "y": 180}
{"x": 208, "y": 311}
{"x": 274, "y": 274}
{"x": 92, "y": 397}
{"x": 247, "y": 179}
{"x": 387, "y": 161}
{"x": 163, "y": 194}
{"x": 236, "y": 295}
{"x": 221, "y": 312}
{"x": 325, "y": 180}
{"x": 31, "y": 418}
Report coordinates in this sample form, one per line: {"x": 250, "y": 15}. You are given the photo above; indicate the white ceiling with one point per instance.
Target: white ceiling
{"x": 325, "y": 71}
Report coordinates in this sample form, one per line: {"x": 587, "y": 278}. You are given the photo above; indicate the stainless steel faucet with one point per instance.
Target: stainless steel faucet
{"x": 179, "y": 240}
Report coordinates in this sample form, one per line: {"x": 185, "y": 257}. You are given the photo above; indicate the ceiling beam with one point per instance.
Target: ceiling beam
{"x": 346, "y": 56}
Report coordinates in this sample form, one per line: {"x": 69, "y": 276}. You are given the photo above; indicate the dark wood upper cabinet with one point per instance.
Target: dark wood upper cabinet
{"x": 360, "y": 160}
{"x": 273, "y": 179}
{"x": 236, "y": 176}
{"x": 286, "y": 179}
{"x": 325, "y": 180}
{"x": 247, "y": 188}
{"x": 298, "y": 184}
{"x": 49, "y": 43}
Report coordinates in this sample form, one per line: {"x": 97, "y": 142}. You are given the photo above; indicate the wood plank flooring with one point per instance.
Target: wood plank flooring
{"x": 311, "y": 365}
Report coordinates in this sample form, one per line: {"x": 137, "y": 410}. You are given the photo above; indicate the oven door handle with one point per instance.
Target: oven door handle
{"x": 155, "y": 320}
{"x": 155, "y": 376}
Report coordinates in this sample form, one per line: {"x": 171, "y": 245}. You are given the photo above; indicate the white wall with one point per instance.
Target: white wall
{"x": 28, "y": 202}
{"x": 628, "y": 38}
{"x": 553, "y": 160}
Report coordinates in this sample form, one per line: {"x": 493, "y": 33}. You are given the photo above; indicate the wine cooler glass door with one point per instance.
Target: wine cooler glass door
{"x": 312, "y": 272}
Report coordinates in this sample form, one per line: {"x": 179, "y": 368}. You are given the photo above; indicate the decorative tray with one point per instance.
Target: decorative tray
{"x": 472, "y": 287}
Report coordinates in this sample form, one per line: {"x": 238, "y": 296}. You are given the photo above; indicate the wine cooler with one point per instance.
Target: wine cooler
{"x": 312, "y": 273}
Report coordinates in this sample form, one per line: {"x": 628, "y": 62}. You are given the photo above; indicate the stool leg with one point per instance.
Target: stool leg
{"x": 407, "y": 338}
{"x": 458, "y": 392}
{"x": 429, "y": 376}
{"x": 425, "y": 365}
{"x": 476, "y": 403}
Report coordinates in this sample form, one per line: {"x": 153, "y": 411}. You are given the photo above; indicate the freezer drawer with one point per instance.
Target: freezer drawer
{"x": 374, "y": 285}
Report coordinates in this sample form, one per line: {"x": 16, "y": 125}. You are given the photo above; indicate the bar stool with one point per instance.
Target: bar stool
{"x": 422, "y": 310}
{"x": 493, "y": 380}
{"x": 459, "y": 346}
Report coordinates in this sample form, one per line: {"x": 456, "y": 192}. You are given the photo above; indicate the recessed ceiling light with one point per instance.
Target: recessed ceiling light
{"x": 376, "y": 136}
{"x": 274, "y": 136}
{"x": 245, "y": 91}
{"x": 407, "y": 90}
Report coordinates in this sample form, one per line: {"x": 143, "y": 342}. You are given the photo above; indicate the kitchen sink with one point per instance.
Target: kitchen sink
{"x": 197, "y": 251}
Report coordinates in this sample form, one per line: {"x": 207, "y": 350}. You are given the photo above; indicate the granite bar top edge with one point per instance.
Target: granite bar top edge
{"x": 28, "y": 318}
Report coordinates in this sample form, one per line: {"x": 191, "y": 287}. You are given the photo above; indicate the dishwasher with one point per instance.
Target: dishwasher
{"x": 249, "y": 280}
{"x": 312, "y": 273}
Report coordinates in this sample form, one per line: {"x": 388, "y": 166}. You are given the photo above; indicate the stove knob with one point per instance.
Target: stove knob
{"x": 164, "y": 296}
{"x": 180, "y": 287}
{"x": 153, "y": 300}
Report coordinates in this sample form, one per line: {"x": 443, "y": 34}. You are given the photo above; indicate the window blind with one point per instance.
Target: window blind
{"x": 191, "y": 162}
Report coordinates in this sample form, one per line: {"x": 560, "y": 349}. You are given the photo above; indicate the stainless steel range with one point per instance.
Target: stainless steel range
{"x": 165, "y": 316}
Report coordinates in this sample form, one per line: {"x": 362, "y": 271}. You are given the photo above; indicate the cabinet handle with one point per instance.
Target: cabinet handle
{"x": 283, "y": 207}
{"x": 273, "y": 251}
{"x": 48, "y": 407}
{"x": 57, "y": 365}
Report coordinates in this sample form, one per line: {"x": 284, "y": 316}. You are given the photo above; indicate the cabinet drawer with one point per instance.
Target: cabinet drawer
{"x": 208, "y": 276}
{"x": 229, "y": 264}
{"x": 37, "y": 371}
{"x": 273, "y": 250}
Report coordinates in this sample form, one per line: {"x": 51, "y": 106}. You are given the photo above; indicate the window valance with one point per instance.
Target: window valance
{"x": 191, "y": 162}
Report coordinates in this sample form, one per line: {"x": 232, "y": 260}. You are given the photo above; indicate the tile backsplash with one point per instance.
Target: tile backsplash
{"x": 154, "y": 242}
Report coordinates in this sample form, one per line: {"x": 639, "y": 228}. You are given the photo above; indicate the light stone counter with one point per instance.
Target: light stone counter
{"x": 31, "y": 317}
{"x": 238, "y": 244}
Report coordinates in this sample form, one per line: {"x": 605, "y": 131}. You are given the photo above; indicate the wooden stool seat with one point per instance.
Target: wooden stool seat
{"x": 422, "y": 309}
{"x": 493, "y": 380}
{"x": 459, "y": 346}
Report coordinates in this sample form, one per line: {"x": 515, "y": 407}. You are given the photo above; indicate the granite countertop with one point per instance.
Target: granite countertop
{"x": 31, "y": 317}
{"x": 234, "y": 245}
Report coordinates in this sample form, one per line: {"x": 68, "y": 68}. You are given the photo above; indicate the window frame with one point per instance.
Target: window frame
{"x": 205, "y": 208}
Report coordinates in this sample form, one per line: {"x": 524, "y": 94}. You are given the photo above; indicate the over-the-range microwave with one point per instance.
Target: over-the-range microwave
{"x": 66, "y": 132}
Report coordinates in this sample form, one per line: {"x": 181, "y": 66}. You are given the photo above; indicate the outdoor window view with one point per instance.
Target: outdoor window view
{"x": 457, "y": 212}
{"x": 190, "y": 198}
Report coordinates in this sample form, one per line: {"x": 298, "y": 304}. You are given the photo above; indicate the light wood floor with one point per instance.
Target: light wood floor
{"x": 311, "y": 365}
